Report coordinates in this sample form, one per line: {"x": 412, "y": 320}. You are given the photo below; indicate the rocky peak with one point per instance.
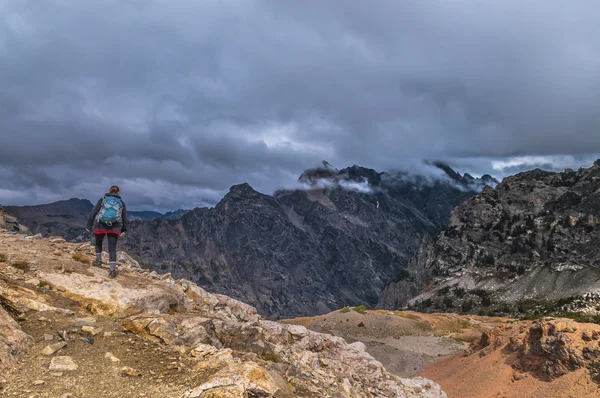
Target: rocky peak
{"x": 533, "y": 239}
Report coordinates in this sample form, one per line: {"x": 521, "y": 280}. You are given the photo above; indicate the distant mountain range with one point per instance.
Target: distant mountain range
{"x": 336, "y": 240}
{"x": 67, "y": 218}
{"x": 151, "y": 215}
{"x": 531, "y": 246}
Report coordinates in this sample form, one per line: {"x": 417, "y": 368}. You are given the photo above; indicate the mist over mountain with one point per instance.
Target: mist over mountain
{"x": 528, "y": 247}
{"x": 335, "y": 241}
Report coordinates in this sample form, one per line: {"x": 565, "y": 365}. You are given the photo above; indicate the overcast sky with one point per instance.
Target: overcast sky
{"x": 178, "y": 100}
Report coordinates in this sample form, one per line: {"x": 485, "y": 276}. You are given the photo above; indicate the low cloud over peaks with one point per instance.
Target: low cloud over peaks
{"x": 177, "y": 101}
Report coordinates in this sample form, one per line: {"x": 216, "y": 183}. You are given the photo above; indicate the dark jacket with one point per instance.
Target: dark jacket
{"x": 101, "y": 228}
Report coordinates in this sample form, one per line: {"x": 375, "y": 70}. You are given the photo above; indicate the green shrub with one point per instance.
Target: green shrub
{"x": 361, "y": 325}
{"x": 345, "y": 310}
{"x": 361, "y": 309}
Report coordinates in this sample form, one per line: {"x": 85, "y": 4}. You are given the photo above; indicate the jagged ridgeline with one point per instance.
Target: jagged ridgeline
{"x": 336, "y": 241}
{"x": 531, "y": 246}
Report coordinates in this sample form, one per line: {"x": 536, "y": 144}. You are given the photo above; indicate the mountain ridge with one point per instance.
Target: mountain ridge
{"x": 527, "y": 247}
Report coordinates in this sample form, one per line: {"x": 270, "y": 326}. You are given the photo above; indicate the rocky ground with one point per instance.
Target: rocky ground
{"x": 403, "y": 341}
{"x": 506, "y": 358}
{"x": 66, "y": 330}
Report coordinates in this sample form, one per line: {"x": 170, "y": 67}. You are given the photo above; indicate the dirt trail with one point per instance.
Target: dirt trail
{"x": 163, "y": 373}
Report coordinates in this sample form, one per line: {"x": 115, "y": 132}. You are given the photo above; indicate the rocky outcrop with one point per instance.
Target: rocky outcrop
{"x": 547, "y": 349}
{"x": 335, "y": 242}
{"x": 549, "y": 357}
{"x": 10, "y": 223}
{"x": 530, "y": 247}
{"x": 235, "y": 352}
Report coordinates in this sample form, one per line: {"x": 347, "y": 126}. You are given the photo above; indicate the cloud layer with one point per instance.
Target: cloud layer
{"x": 178, "y": 100}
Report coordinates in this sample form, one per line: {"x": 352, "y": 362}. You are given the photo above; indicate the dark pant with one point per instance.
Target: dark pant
{"x": 112, "y": 245}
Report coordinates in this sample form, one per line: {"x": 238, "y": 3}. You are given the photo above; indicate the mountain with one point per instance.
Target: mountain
{"x": 67, "y": 218}
{"x": 64, "y": 218}
{"x": 143, "y": 215}
{"x": 175, "y": 215}
{"x": 151, "y": 215}
{"x": 335, "y": 242}
{"x": 67, "y": 330}
{"x": 530, "y": 246}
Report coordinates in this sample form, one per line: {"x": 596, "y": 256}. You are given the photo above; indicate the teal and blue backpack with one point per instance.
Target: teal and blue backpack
{"x": 110, "y": 211}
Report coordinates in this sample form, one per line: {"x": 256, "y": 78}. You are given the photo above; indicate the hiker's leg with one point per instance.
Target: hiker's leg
{"x": 99, "y": 240}
{"x": 112, "y": 250}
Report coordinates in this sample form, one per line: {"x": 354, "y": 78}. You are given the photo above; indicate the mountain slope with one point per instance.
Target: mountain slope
{"x": 531, "y": 245}
{"x": 64, "y": 218}
{"x": 305, "y": 251}
{"x": 66, "y": 329}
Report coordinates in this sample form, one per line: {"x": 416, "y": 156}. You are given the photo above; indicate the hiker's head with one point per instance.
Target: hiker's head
{"x": 114, "y": 189}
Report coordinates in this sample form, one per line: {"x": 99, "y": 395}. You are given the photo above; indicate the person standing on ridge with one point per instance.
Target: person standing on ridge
{"x": 109, "y": 218}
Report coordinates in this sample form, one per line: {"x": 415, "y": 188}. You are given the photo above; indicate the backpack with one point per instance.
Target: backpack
{"x": 110, "y": 211}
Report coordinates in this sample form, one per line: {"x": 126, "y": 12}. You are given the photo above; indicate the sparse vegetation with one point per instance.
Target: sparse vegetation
{"x": 81, "y": 258}
{"x": 361, "y": 325}
{"x": 345, "y": 310}
{"x": 23, "y": 265}
{"x": 3, "y": 258}
{"x": 361, "y": 309}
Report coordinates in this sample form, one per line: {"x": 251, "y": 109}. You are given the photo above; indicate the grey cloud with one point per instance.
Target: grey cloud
{"x": 187, "y": 98}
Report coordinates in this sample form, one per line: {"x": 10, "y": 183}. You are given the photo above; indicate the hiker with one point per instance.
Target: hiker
{"x": 109, "y": 218}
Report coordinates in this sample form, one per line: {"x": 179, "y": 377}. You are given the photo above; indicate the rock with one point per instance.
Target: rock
{"x": 54, "y": 348}
{"x": 48, "y": 337}
{"x": 237, "y": 381}
{"x": 358, "y": 346}
{"x": 91, "y": 330}
{"x": 63, "y": 364}
{"x": 33, "y": 282}
{"x": 129, "y": 372}
{"x": 34, "y": 237}
{"x": 113, "y": 358}
{"x": 80, "y": 322}
{"x": 166, "y": 276}
{"x": 38, "y": 382}
{"x": 297, "y": 331}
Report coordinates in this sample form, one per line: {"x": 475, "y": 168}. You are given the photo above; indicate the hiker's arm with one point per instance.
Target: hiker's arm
{"x": 124, "y": 217}
{"x": 93, "y": 214}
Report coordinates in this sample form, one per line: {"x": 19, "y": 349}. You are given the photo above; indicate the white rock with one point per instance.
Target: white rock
{"x": 62, "y": 364}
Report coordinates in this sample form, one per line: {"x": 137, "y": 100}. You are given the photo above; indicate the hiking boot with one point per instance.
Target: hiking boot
{"x": 97, "y": 263}
{"x": 112, "y": 274}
